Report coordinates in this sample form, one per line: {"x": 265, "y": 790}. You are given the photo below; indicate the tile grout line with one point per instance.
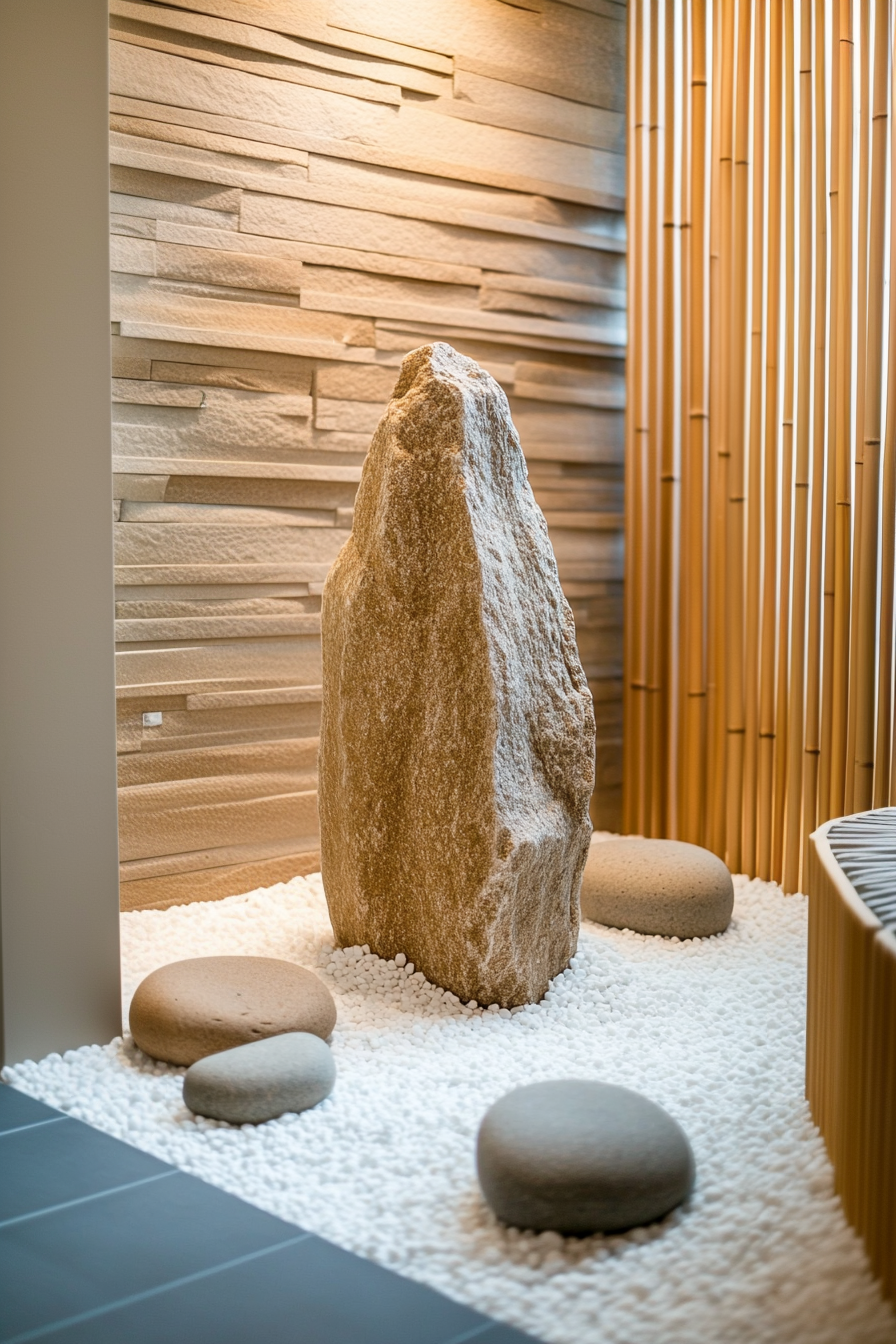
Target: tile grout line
{"x": 40, "y": 1331}
{"x": 473, "y": 1333}
{"x": 85, "y": 1199}
{"x": 34, "y": 1124}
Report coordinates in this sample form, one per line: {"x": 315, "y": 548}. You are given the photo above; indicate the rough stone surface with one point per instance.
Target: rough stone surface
{"x": 457, "y": 739}
{"x": 580, "y": 1157}
{"x": 189, "y": 1009}
{"x": 253, "y": 1083}
{"x": 657, "y": 886}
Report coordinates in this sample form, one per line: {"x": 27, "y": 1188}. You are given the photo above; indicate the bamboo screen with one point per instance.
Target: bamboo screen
{"x": 761, "y": 476}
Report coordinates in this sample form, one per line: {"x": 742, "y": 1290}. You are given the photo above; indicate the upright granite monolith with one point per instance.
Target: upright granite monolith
{"x": 457, "y": 740}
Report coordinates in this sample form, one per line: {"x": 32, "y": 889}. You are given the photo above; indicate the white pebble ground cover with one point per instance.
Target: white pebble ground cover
{"x": 712, "y": 1030}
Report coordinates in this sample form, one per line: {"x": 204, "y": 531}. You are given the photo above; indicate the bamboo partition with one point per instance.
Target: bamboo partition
{"x": 761, "y": 486}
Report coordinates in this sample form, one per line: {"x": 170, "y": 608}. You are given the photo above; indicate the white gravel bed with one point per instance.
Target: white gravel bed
{"x": 712, "y": 1030}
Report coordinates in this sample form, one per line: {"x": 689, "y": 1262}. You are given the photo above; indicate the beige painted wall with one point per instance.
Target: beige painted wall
{"x": 303, "y": 191}
{"x": 59, "y": 975}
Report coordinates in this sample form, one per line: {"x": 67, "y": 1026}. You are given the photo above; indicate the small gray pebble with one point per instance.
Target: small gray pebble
{"x": 663, "y": 887}
{"x": 259, "y": 1081}
{"x": 577, "y": 1157}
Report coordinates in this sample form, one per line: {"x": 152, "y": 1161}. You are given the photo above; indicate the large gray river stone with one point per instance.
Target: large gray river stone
{"x": 578, "y": 1157}
{"x": 258, "y": 1082}
{"x": 457, "y": 737}
{"x": 663, "y": 887}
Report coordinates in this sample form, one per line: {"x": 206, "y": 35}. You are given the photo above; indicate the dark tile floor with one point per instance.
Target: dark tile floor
{"x": 101, "y": 1244}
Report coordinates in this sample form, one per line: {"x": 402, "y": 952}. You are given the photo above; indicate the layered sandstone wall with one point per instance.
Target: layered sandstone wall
{"x": 301, "y": 194}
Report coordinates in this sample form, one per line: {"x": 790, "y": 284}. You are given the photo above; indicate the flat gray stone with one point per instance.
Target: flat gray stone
{"x": 579, "y": 1157}
{"x": 257, "y": 1082}
{"x": 657, "y": 886}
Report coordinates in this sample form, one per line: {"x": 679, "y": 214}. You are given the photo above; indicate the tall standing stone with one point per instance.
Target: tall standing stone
{"x": 457, "y": 740}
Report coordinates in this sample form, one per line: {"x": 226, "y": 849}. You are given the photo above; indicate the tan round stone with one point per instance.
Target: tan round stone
{"x": 657, "y": 886}
{"x": 189, "y": 1009}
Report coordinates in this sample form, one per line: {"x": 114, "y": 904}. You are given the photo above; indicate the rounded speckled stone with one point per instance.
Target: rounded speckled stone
{"x": 657, "y": 886}
{"x": 189, "y": 1009}
{"x": 578, "y": 1157}
{"x": 257, "y": 1082}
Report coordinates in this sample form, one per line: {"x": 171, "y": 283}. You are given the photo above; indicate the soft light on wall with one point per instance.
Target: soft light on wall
{"x": 761, "y": 439}
{"x": 302, "y": 193}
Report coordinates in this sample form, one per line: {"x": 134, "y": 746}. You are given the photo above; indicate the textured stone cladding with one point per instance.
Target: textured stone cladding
{"x": 457, "y": 738}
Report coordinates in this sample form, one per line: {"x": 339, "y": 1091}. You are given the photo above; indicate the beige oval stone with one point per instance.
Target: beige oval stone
{"x": 189, "y": 1009}
{"x": 657, "y": 886}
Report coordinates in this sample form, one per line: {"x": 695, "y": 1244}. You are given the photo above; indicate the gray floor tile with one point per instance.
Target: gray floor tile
{"x": 47, "y": 1165}
{"x": 310, "y": 1293}
{"x": 58, "y": 1265}
{"x": 17, "y": 1109}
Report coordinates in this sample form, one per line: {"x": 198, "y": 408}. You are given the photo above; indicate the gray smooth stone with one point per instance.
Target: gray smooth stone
{"x": 579, "y": 1157}
{"x": 259, "y": 1081}
{"x": 663, "y": 887}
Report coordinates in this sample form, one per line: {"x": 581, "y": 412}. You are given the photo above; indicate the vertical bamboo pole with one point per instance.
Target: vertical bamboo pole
{"x": 858, "y": 677}
{"x": 768, "y": 626}
{"x": 651, "y": 539}
{"x": 790, "y": 875}
{"x": 868, "y": 540}
{"x": 837, "y": 207}
{"x": 638, "y": 381}
{"x": 843, "y": 420}
{"x": 754, "y": 452}
{"x": 667, "y": 454}
{"x": 734, "y": 512}
{"x": 632, "y": 418}
{"x": 679, "y": 702}
{"x": 885, "y": 756}
{"x": 715, "y": 819}
{"x": 693, "y": 525}
{"x": 818, "y": 490}
{"x": 785, "y": 563}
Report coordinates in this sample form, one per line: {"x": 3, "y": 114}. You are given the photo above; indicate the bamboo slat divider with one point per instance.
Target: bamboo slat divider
{"x": 678, "y": 697}
{"x": 825, "y": 755}
{"x": 856, "y": 673}
{"x": 868, "y": 529}
{"x": 818, "y": 524}
{"x": 884, "y": 756}
{"x": 785, "y": 576}
{"x": 858, "y": 687}
{"x": 692, "y": 776}
{"x": 638, "y": 154}
{"x": 654, "y": 399}
{"x": 738, "y": 349}
{"x": 659, "y": 372}
{"x": 762, "y": 560}
{"x": 843, "y": 418}
{"x": 754, "y": 453}
{"x": 718, "y": 463}
{"x": 793, "y": 805}
{"x": 770, "y": 452}
{"x": 663, "y": 813}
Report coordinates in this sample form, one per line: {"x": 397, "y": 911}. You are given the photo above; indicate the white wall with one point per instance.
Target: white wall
{"x": 58, "y": 825}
